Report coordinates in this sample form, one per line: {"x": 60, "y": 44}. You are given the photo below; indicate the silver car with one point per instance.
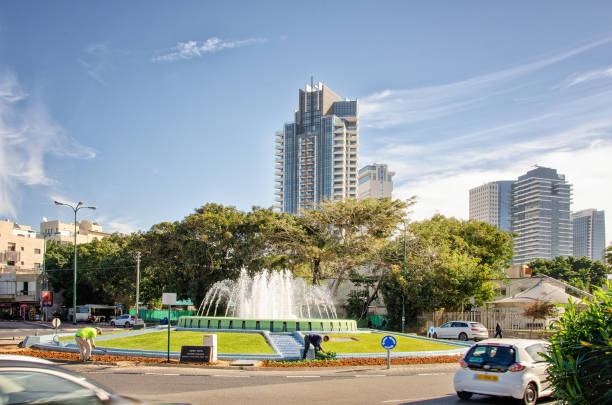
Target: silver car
{"x": 462, "y": 330}
{"x": 504, "y": 367}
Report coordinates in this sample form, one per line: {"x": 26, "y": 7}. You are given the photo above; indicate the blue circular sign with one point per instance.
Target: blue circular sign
{"x": 388, "y": 342}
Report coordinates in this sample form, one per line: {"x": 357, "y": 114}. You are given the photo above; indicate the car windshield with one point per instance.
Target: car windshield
{"x": 536, "y": 351}
{"x": 490, "y": 357}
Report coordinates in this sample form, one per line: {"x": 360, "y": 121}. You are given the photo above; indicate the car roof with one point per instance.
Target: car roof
{"x": 19, "y": 358}
{"x": 513, "y": 342}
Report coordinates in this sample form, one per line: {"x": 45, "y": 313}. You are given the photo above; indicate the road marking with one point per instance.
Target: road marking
{"x": 231, "y": 376}
{"x": 303, "y": 376}
{"x": 370, "y": 375}
{"x": 434, "y": 373}
{"x": 414, "y": 399}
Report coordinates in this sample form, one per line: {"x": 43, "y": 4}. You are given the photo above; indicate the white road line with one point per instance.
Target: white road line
{"x": 303, "y": 376}
{"x": 168, "y": 374}
{"x": 370, "y": 375}
{"x": 434, "y": 373}
{"x": 414, "y": 399}
{"x": 231, "y": 376}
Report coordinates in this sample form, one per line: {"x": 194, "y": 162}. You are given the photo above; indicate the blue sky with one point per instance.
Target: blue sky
{"x": 151, "y": 109}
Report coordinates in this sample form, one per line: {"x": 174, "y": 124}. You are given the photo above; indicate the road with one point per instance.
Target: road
{"x": 418, "y": 385}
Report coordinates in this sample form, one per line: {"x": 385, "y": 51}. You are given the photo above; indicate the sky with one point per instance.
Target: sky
{"x": 149, "y": 110}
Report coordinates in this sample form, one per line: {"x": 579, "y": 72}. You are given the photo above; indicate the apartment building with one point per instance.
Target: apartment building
{"x": 491, "y": 203}
{"x": 375, "y": 181}
{"x": 64, "y": 232}
{"x": 21, "y": 258}
{"x": 541, "y": 201}
{"x": 317, "y": 154}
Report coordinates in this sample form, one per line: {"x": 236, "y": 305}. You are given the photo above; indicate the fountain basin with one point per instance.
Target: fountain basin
{"x": 272, "y": 325}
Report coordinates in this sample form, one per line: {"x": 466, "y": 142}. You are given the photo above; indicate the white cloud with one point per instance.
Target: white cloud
{"x": 97, "y": 61}
{"x": 191, "y": 49}
{"x": 120, "y": 225}
{"x": 27, "y": 136}
{"x": 395, "y": 107}
{"x": 589, "y": 76}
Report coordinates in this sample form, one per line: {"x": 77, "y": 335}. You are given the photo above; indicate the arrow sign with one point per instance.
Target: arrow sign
{"x": 388, "y": 342}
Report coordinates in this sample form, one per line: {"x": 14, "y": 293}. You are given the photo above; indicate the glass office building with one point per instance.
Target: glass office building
{"x": 589, "y": 227}
{"x": 541, "y": 216}
{"x": 317, "y": 154}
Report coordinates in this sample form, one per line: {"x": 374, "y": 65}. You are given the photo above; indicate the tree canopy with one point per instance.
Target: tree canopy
{"x": 579, "y": 272}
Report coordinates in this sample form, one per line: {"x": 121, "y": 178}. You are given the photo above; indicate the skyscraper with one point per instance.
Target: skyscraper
{"x": 541, "y": 216}
{"x": 491, "y": 203}
{"x": 375, "y": 181}
{"x": 589, "y": 234}
{"x": 317, "y": 154}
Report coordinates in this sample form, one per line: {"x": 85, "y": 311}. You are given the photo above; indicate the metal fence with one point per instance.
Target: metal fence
{"x": 508, "y": 320}
{"x": 156, "y": 315}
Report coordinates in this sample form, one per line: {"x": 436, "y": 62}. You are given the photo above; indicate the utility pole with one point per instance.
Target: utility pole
{"x": 137, "y": 255}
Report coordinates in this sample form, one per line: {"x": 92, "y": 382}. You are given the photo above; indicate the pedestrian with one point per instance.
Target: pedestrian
{"x": 383, "y": 326}
{"x": 85, "y": 340}
{"x": 369, "y": 324}
{"x": 498, "y": 331}
{"x": 315, "y": 340}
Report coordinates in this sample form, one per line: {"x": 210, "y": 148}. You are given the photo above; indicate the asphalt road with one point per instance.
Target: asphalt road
{"x": 421, "y": 385}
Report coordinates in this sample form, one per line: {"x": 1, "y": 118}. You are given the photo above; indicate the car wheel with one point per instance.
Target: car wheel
{"x": 112, "y": 324}
{"x": 127, "y": 325}
{"x": 435, "y": 335}
{"x": 531, "y": 394}
{"x": 464, "y": 395}
{"x": 462, "y": 336}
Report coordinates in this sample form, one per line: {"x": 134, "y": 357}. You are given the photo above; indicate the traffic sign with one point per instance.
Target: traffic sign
{"x": 56, "y": 322}
{"x": 388, "y": 342}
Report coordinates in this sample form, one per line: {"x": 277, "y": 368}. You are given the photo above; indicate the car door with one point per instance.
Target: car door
{"x": 455, "y": 329}
{"x": 443, "y": 330}
{"x": 539, "y": 362}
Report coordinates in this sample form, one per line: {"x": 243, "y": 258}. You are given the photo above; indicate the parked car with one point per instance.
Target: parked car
{"x": 127, "y": 321}
{"x": 504, "y": 367}
{"x": 462, "y": 330}
{"x": 29, "y": 380}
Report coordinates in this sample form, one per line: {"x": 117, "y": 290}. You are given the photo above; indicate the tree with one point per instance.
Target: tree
{"x": 579, "y": 272}
{"x": 538, "y": 310}
{"x": 448, "y": 263}
{"x": 609, "y": 255}
{"x": 580, "y": 353}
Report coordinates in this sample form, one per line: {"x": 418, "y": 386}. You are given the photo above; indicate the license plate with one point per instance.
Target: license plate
{"x": 487, "y": 377}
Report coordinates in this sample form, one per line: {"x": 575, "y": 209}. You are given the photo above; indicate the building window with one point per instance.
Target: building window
{"x": 22, "y": 248}
{"x": 37, "y": 251}
{"x": 10, "y": 263}
{"x": 11, "y": 247}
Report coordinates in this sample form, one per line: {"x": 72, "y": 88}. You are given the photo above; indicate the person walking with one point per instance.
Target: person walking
{"x": 85, "y": 340}
{"x": 498, "y": 331}
{"x": 315, "y": 340}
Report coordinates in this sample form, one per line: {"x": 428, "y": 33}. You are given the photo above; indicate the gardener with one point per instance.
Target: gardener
{"x": 85, "y": 340}
{"x": 314, "y": 339}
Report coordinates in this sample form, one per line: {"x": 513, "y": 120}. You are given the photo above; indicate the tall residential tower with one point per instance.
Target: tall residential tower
{"x": 317, "y": 154}
{"x": 375, "y": 181}
{"x": 491, "y": 203}
{"x": 589, "y": 234}
{"x": 541, "y": 201}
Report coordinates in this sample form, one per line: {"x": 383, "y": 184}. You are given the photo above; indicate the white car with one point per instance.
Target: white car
{"x": 127, "y": 321}
{"x": 462, "y": 330}
{"x": 504, "y": 367}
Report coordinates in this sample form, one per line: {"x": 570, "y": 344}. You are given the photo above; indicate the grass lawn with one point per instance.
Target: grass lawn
{"x": 227, "y": 342}
{"x": 370, "y": 343}
{"x": 71, "y": 337}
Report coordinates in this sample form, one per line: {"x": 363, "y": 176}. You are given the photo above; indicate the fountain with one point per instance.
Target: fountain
{"x": 270, "y": 300}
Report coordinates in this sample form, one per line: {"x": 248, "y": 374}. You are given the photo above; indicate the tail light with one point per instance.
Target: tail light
{"x": 463, "y": 363}
{"x": 475, "y": 330}
{"x": 516, "y": 367}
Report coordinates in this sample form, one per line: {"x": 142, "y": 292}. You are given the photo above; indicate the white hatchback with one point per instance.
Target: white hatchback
{"x": 504, "y": 367}
{"x": 462, "y": 330}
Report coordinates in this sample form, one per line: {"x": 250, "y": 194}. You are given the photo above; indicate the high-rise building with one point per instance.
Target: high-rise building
{"x": 491, "y": 203}
{"x": 317, "y": 154}
{"x": 63, "y": 232}
{"x": 589, "y": 234}
{"x": 375, "y": 181}
{"x": 541, "y": 201}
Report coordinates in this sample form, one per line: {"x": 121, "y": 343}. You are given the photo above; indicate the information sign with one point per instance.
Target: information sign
{"x": 195, "y": 354}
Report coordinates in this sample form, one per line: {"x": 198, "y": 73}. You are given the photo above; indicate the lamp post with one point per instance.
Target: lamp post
{"x": 403, "y": 293}
{"x": 76, "y": 209}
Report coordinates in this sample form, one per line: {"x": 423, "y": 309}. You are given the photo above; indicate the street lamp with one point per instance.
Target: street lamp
{"x": 403, "y": 292}
{"x": 75, "y": 208}
{"x": 45, "y": 282}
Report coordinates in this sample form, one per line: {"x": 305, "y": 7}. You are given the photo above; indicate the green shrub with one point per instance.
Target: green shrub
{"x": 325, "y": 356}
{"x": 581, "y": 352}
